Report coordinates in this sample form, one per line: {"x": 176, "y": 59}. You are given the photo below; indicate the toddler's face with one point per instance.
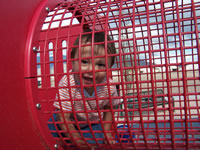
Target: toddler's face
{"x": 87, "y": 63}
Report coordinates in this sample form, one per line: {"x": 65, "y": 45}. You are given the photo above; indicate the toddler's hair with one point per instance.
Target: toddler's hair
{"x": 98, "y": 37}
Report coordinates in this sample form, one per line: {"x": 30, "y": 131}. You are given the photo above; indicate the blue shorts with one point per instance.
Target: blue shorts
{"x": 95, "y": 127}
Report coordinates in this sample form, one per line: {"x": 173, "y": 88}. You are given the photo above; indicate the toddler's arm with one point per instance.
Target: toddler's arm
{"x": 76, "y": 136}
{"x": 108, "y": 117}
{"x": 107, "y": 126}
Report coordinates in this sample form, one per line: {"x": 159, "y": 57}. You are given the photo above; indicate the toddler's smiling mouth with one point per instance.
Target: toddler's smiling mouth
{"x": 88, "y": 80}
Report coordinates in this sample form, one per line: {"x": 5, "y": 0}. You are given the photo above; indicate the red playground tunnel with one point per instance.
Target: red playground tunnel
{"x": 100, "y": 74}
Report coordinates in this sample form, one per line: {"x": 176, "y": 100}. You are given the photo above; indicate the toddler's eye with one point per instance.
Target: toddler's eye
{"x": 102, "y": 65}
{"x": 84, "y": 61}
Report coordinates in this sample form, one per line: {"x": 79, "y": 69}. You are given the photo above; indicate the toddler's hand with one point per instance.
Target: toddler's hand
{"x": 81, "y": 143}
{"x": 111, "y": 140}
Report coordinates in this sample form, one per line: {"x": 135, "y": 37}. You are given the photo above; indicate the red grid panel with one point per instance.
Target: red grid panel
{"x": 156, "y": 72}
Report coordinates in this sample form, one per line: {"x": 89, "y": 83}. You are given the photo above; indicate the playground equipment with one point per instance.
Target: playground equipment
{"x": 156, "y": 71}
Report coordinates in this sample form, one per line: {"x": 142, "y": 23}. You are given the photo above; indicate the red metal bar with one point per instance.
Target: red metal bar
{"x": 158, "y": 34}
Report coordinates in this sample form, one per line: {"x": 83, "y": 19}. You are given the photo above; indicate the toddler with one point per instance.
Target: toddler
{"x": 89, "y": 66}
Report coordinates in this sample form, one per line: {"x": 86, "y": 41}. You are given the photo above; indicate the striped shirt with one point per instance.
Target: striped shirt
{"x": 71, "y": 99}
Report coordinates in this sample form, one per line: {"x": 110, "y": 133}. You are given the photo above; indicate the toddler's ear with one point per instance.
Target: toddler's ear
{"x": 72, "y": 64}
{"x": 109, "y": 62}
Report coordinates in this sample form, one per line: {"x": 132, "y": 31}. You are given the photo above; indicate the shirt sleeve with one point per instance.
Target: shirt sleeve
{"x": 114, "y": 94}
{"x": 63, "y": 100}
{"x": 115, "y": 101}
